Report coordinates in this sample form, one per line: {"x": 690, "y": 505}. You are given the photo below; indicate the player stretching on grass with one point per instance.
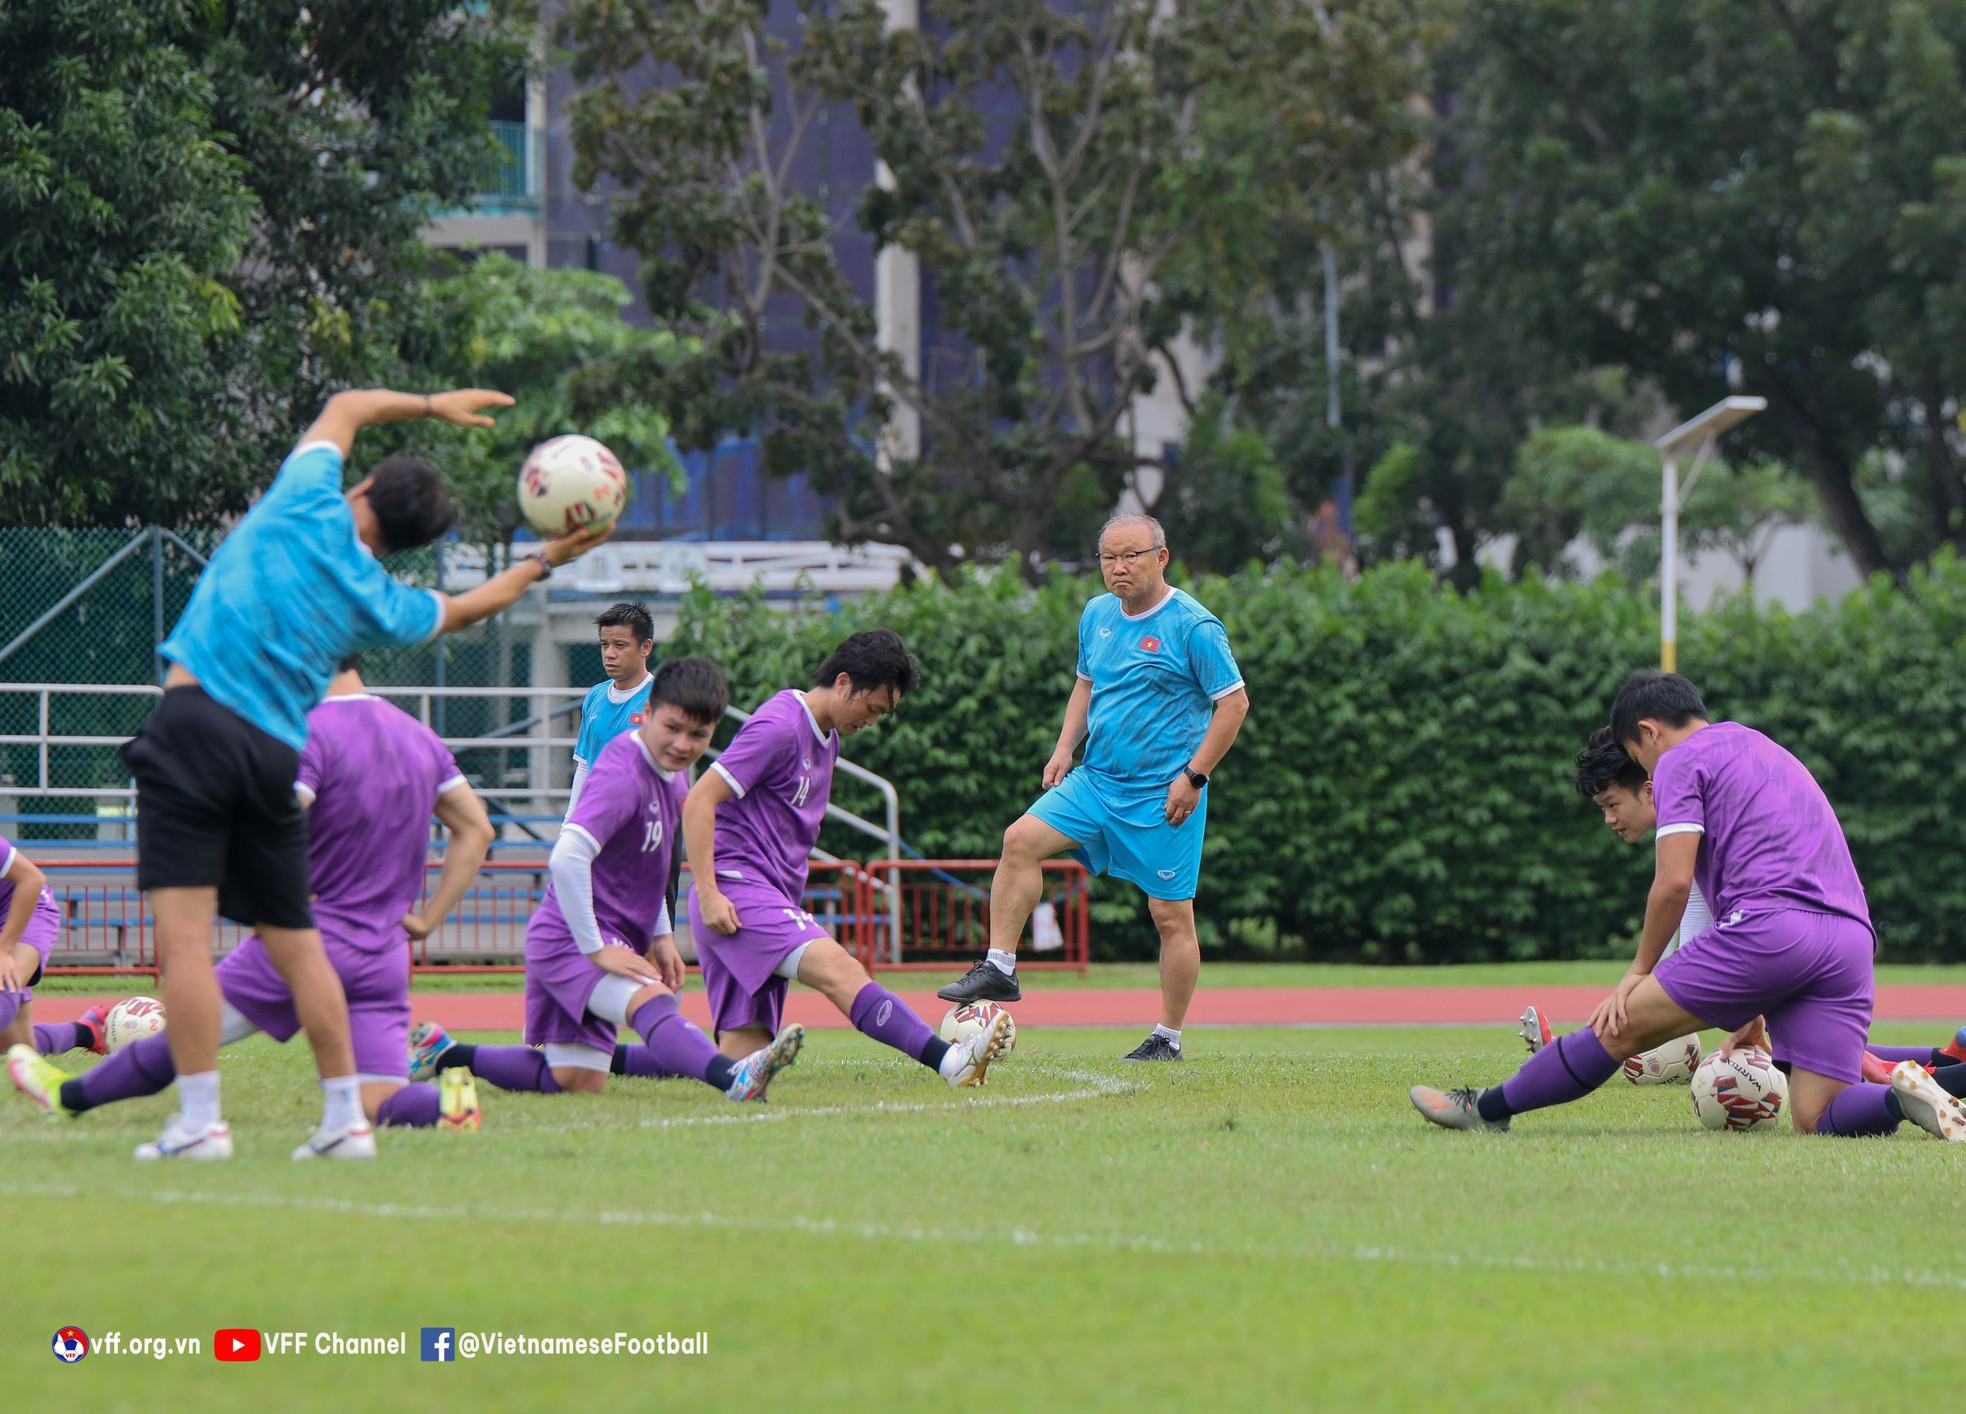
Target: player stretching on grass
{"x": 30, "y": 922}
{"x": 615, "y": 706}
{"x": 1617, "y": 785}
{"x": 1161, "y": 698}
{"x": 752, "y": 821}
{"x": 1792, "y": 944}
{"x": 370, "y": 777}
{"x": 600, "y": 950}
{"x": 295, "y": 588}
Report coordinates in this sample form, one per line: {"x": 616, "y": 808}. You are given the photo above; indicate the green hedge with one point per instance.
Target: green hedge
{"x": 1401, "y": 789}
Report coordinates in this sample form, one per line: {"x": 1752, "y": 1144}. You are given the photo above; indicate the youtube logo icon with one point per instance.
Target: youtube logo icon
{"x": 236, "y": 1345}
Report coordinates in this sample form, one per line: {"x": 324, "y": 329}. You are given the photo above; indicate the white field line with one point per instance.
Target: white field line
{"x": 1869, "y": 1277}
{"x": 1091, "y": 1087}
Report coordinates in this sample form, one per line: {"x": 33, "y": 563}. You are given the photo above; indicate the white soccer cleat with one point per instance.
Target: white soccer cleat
{"x": 756, "y": 1071}
{"x": 1926, "y": 1105}
{"x": 968, "y": 1062}
{"x": 1535, "y": 1029}
{"x": 180, "y": 1141}
{"x": 355, "y": 1142}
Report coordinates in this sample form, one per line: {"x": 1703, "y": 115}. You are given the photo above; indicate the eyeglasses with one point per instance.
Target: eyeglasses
{"x": 1126, "y": 557}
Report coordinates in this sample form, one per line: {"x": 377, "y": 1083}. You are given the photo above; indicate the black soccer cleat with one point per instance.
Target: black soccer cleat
{"x": 985, "y": 982}
{"x": 1155, "y": 1048}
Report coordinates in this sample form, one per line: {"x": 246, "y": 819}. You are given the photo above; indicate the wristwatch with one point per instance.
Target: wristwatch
{"x": 545, "y": 565}
{"x": 1195, "y": 778}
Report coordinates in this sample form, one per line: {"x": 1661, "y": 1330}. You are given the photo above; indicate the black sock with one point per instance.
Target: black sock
{"x": 933, "y": 1052}
{"x": 1951, "y": 1078}
{"x": 1891, "y": 1103}
{"x": 722, "y": 1071}
{"x": 462, "y": 1053}
{"x": 1490, "y": 1105}
{"x": 75, "y": 1102}
{"x": 618, "y": 1062}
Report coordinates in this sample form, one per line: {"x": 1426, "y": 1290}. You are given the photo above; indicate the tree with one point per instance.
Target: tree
{"x": 1788, "y": 206}
{"x": 549, "y": 338}
{"x": 1224, "y": 502}
{"x": 208, "y": 222}
{"x": 1048, "y": 166}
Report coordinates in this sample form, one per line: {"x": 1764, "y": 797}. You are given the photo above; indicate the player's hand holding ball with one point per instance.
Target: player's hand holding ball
{"x": 719, "y": 913}
{"x": 572, "y": 547}
{"x": 1752, "y": 1037}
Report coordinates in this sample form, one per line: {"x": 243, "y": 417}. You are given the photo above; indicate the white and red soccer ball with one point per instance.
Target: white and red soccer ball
{"x": 1741, "y": 1091}
{"x": 571, "y": 483}
{"x": 132, "y": 1019}
{"x": 972, "y": 1018}
{"x": 1670, "y": 1064}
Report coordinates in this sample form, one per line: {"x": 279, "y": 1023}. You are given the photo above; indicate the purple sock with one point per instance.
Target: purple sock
{"x": 52, "y": 1040}
{"x": 140, "y": 1068}
{"x": 877, "y": 1012}
{"x": 1859, "y": 1111}
{"x": 679, "y": 1048}
{"x": 514, "y": 1068}
{"x": 413, "y": 1106}
{"x": 1924, "y": 1055}
{"x": 1567, "y": 1069}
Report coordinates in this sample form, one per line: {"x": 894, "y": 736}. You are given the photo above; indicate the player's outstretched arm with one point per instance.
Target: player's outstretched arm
{"x": 471, "y": 834}
{"x": 348, "y": 413}
{"x": 1672, "y": 881}
{"x": 502, "y": 591}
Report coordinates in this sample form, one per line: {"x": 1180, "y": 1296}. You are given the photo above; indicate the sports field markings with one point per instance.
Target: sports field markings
{"x": 1361, "y": 1254}
{"x": 1090, "y": 1087}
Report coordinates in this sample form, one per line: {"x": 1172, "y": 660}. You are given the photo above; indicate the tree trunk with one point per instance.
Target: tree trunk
{"x": 1829, "y": 471}
{"x": 1948, "y": 493}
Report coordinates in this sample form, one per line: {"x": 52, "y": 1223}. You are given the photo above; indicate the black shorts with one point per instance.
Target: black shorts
{"x": 216, "y": 809}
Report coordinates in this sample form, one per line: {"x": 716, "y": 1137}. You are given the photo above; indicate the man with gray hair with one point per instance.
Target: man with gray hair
{"x": 1158, "y": 703}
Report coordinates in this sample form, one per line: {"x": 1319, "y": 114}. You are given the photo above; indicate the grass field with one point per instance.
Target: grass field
{"x": 1267, "y": 1225}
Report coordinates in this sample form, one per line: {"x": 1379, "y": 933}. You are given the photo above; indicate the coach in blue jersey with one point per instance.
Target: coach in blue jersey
{"x": 295, "y": 588}
{"x": 1158, "y": 703}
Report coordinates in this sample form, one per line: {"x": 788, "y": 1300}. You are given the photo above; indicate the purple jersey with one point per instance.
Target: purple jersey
{"x": 45, "y": 910}
{"x": 371, "y": 774}
{"x": 1770, "y": 838}
{"x": 633, "y": 812}
{"x": 781, "y": 767}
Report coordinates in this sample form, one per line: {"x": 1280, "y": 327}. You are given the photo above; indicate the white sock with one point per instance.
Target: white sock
{"x": 343, "y": 1103}
{"x": 1170, "y": 1033}
{"x": 1004, "y": 962}
{"x": 952, "y": 1061}
{"x": 197, "y": 1099}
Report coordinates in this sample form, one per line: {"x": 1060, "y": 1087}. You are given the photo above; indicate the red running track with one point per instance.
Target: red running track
{"x": 1225, "y": 1006}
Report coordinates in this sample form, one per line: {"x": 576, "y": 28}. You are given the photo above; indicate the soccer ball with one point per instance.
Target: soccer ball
{"x": 1741, "y": 1091}
{"x": 132, "y": 1019}
{"x": 1670, "y": 1064}
{"x": 569, "y": 483}
{"x": 971, "y": 1018}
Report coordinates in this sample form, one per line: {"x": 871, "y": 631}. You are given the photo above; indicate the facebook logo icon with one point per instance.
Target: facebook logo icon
{"x": 440, "y": 1342}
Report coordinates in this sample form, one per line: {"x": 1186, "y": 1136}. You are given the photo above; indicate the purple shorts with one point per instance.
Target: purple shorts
{"x": 560, "y": 981}
{"x": 1810, "y": 974}
{"x": 42, "y": 931}
{"x": 740, "y": 971}
{"x": 378, "y": 988}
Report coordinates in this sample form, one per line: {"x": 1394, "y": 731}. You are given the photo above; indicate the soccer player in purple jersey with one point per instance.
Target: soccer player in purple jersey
{"x": 752, "y": 821}
{"x": 370, "y": 777}
{"x": 29, "y": 924}
{"x": 1790, "y": 953}
{"x": 600, "y": 951}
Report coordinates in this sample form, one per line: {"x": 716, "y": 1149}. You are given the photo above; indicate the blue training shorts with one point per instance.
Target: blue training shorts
{"x": 1127, "y": 836}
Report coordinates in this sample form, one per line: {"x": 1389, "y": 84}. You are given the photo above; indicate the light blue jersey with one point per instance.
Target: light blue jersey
{"x": 291, "y": 592}
{"x": 1155, "y": 681}
{"x": 605, "y": 714}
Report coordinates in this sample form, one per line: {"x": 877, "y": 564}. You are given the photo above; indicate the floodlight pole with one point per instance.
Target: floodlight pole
{"x": 1703, "y": 431}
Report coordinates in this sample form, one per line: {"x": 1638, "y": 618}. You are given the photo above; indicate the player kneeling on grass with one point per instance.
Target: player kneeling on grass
{"x": 370, "y": 777}
{"x": 752, "y": 822}
{"x": 600, "y": 950}
{"x": 30, "y": 922}
{"x": 1793, "y": 943}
